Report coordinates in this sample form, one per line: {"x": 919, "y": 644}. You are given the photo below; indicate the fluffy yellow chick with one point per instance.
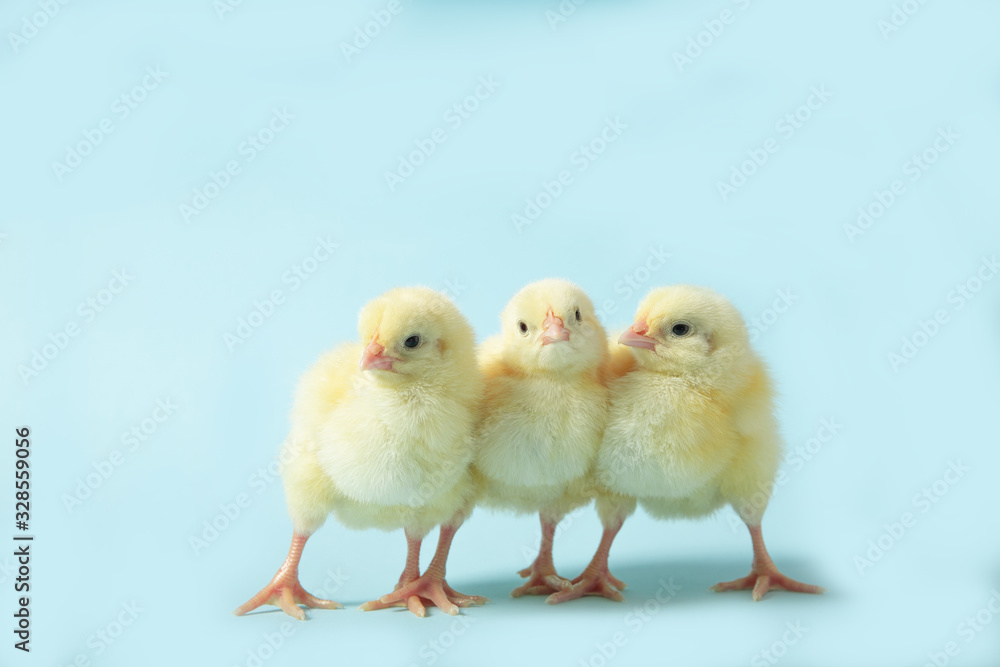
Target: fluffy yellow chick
{"x": 382, "y": 437}
{"x": 690, "y": 429}
{"x": 544, "y": 410}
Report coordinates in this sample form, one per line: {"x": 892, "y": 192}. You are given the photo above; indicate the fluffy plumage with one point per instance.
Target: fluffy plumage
{"x": 691, "y": 428}
{"x": 620, "y": 360}
{"x": 392, "y": 447}
{"x": 382, "y": 435}
{"x": 544, "y": 410}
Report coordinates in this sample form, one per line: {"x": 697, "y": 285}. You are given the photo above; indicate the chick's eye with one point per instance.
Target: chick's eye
{"x": 578, "y": 318}
{"x": 681, "y": 329}
{"x": 412, "y": 342}
{"x": 522, "y": 326}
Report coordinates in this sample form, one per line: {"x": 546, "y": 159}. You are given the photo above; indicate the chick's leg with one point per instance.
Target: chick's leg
{"x": 411, "y": 572}
{"x": 430, "y": 586}
{"x": 541, "y": 574}
{"x": 764, "y": 574}
{"x": 412, "y": 569}
{"x": 596, "y": 579}
{"x": 284, "y": 590}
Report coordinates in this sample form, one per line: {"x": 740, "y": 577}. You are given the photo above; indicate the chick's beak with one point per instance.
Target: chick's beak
{"x": 553, "y": 331}
{"x": 374, "y": 359}
{"x": 636, "y": 336}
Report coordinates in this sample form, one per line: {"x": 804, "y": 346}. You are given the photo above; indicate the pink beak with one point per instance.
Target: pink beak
{"x": 554, "y": 331}
{"x": 635, "y": 336}
{"x": 372, "y": 359}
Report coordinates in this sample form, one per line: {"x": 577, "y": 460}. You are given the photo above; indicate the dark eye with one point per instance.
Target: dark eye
{"x": 412, "y": 342}
{"x": 522, "y": 326}
{"x": 681, "y": 329}
{"x": 578, "y": 315}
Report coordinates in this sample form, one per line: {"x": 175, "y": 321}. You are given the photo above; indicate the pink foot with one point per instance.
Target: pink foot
{"x": 542, "y": 580}
{"x": 764, "y": 574}
{"x": 407, "y": 577}
{"x": 288, "y": 595}
{"x": 762, "y": 579}
{"x": 430, "y": 589}
{"x": 285, "y": 591}
{"x": 541, "y": 575}
{"x": 596, "y": 579}
{"x": 463, "y": 600}
{"x": 414, "y": 603}
{"x": 593, "y": 581}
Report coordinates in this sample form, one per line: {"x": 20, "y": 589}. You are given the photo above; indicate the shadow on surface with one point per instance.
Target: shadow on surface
{"x": 691, "y": 580}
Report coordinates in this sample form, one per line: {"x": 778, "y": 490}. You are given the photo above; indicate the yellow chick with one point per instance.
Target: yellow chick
{"x": 690, "y": 429}
{"x": 382, "y": 437}
{"x": 544, "y": 410}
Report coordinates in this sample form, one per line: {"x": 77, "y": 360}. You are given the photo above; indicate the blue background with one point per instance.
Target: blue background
{"x": 654, "y": 189}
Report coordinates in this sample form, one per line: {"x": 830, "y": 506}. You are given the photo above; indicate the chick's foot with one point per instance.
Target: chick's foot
{"x": 416, "y": 605}
{"x": 542, "y": 580}
{"x": 541, "y": 575}
{"x": 285, "y": 591}
{"x": 429, "y": 589}
{"x": 764, "y": 574}
{"x": 762, "y": 579}
{"x": 593, "y": 581}
{"x": 596, "y": 579}
{"x": 288, "y": 595}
